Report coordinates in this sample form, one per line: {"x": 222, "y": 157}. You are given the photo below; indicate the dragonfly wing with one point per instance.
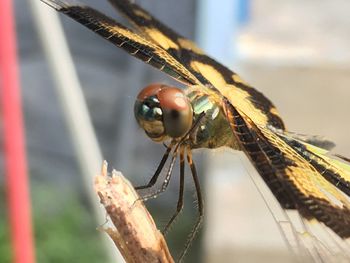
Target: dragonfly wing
{"x": 125, "y": 39}
{"x": 296, "y": 182}
{"x": 207, "y": 70}
{"x": 335, "y": 171}
{"x": 308, "y": 241}
{"x": 315, "y": 140}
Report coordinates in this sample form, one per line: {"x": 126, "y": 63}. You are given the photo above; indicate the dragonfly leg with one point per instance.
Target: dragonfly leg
{"x": 159, "y": 169}
{"x": 200, "y": 205}
{"x": 165, "y": 183}
{"x": 175, "y": 144}
{"x": 180, "y": 201}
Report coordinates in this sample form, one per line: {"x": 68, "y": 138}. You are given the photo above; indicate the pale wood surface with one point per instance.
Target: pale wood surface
{"x": 134, "y": 231}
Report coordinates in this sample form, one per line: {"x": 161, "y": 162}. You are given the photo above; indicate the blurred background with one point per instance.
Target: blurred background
{"x": 296, "y": 52}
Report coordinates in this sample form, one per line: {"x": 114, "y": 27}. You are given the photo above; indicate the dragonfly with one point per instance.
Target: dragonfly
{"x": 218, "y": 109}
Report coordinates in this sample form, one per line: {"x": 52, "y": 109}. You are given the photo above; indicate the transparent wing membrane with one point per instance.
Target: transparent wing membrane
{"x": 308, "y": 241}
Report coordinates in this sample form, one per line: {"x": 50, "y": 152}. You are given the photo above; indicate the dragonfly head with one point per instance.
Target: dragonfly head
{"x": 163, "y": 112}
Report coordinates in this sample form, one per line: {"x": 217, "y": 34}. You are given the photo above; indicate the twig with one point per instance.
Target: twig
{"x": 134, "y": 232}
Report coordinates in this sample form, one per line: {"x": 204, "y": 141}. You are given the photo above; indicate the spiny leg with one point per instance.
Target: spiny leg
{"x": 177, "y": 144}
{"x": 166, "y": 155}
{"x": 181, "y": 191}
{"x": 166, "y": 181}
{"x": 159, "y": 169}
{"x": 200, "y": 205}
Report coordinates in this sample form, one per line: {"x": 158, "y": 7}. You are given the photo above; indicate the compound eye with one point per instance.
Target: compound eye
{"x": 148, "y": 112}
{"x": 177, "y": 111}
{"x": 149, "y": 91}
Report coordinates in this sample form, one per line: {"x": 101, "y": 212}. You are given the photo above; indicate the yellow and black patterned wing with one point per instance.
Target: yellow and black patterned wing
{"x": 335, "y": 169}
{"x": 300, "y": 175}
{"x": 207, "y": 70}
{"x": 125, "y": 39}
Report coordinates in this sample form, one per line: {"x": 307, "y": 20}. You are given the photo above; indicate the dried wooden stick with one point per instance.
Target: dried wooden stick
{"x": 134, "y": 232}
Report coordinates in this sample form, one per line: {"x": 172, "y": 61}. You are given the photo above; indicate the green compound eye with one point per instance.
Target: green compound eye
{"x": 163, "y": 112}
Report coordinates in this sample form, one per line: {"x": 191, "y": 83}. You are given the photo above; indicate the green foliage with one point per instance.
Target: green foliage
{"x": 65, "y": 230}
{"x": 5, "y": 245}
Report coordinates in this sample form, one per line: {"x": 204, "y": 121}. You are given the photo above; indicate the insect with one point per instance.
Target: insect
{"x": 218, "y": 109}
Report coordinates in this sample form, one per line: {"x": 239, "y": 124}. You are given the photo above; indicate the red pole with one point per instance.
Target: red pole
{"x": 14, "y": 142}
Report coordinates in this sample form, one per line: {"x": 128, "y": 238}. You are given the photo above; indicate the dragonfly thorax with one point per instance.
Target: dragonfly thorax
{"x": 214, "y": 131}
{"x": 163, "y": 112}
